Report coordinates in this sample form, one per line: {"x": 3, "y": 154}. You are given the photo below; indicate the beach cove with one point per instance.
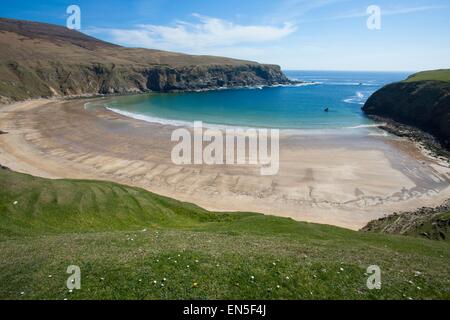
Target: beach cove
{"x": 342, "y": 180}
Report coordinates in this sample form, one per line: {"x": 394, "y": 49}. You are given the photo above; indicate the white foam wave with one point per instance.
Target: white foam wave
{"x": 361, "y": 126}
{"x": 353, "y": 101}
{"x": 138, "y": 116}
{"x": 378, "y": 134}
{"x": 256, "y": 88}
{"x": 358, "y": 98}
{"x": 316, "y": 132}
{"x": 371, "y": 130}
{"x": 176, "y": 123}
{"x": 260, "y": 87}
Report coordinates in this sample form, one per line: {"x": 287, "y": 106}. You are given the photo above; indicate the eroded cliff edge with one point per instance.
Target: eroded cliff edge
{"x": 421, "y": 101}
{"x": 43, "y": 60}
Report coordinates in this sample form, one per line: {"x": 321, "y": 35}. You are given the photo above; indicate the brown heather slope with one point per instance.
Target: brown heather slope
{"x": 41, "y": 60}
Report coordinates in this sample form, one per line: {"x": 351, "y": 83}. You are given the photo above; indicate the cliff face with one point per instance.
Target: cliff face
{"x": 430, "y": 223}
{"x": 202, "y": 77}
{"x": 41, "y": 60}
{"x": 78, "y": 79}
{"x": 424, "y": 104}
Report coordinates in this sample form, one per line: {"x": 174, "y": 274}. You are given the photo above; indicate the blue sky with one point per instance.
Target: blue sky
{"x": 296, "y": 34}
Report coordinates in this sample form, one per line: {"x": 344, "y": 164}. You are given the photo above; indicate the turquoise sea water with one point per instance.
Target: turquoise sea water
{"x": 284, "y": 107}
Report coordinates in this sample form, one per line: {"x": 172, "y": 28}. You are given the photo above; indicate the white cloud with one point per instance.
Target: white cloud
{"x": 405, "y": 10}
{"x": 292, "y": 10}
{"x": 205, "y": 33}
{"x": 388, "y": 12}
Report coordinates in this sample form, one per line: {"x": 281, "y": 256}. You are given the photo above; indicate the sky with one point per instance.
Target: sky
{"x": 413, "y": 35}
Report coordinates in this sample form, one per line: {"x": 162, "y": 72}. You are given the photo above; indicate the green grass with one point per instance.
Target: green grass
{"x": 436, "y": 228}
{"x": 124, "y": 239}
{"x": 434, "y": 75}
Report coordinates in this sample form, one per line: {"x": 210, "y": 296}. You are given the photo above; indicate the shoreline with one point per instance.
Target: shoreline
{"x": 287, "y": 130}
{"x": 222, "y": 126}
{"x": 367, "y": 179}
{"x": 425, "y": 141}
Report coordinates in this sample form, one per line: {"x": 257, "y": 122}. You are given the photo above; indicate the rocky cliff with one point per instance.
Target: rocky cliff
{"x": 42, "y": 60}
{"x": 422, "y": 101}
{"x": 430, "y": 223}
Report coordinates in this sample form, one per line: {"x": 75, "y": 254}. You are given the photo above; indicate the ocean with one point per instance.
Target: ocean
{"x": 283, "y": 107}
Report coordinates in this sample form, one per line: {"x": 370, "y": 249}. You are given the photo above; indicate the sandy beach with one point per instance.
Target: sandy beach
{"x": 325, "y": 179}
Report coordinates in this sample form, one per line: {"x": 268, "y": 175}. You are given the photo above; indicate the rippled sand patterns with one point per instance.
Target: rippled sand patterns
{"x": 344, "y": 181}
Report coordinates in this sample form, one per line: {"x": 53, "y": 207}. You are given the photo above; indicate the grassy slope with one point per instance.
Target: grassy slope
{"x": 434, "y": 75}
{"x": 41, "y": 60}
{"x": 125, "y": 238}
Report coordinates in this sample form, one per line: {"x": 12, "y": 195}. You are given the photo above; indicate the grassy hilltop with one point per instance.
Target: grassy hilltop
{"x": 44, "y": 60}
{"x": 433, "y": 75}
{"x": 127, "y": 241}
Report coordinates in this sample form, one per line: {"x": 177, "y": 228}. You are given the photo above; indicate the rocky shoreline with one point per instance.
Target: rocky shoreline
{"x": 420, "y": 137}
{"x": 430, "y": 223}
{"x": 427, "y": 222}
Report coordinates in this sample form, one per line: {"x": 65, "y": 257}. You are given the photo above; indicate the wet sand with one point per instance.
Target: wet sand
{"x": 332, "y": 179}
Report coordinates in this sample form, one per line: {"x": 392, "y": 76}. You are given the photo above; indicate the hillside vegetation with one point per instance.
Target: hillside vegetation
{"x": 132, "y": 244}
{"x": 433, "y": 75}
{"x": 41, "y": 60}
